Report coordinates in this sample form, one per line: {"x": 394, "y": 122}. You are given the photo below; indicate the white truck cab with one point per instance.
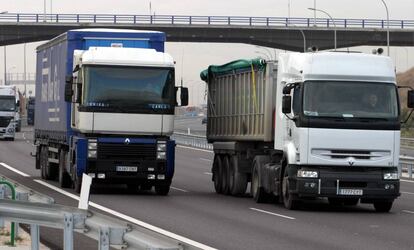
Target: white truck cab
{"x": 8, "y": 112}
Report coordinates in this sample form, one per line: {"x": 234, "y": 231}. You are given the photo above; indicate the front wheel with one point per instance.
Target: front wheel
{"x": 64, "y": 178}
{"x": 289, "y": 202}
{"x": 383, "y": 206}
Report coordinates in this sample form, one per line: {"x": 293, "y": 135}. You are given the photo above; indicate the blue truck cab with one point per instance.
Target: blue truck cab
{"x": 105, "y": 108}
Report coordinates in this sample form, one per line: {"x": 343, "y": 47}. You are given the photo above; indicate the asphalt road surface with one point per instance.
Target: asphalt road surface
{"x": 194, "y": 211}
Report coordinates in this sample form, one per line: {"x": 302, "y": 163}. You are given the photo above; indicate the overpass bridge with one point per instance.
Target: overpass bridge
{"x": 275, "y": 32}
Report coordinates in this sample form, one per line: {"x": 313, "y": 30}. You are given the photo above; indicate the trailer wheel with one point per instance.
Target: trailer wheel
{"x": 258, "y": 193}
{"x": 225, "y": 180}
{"x": 64, "y": 178}
{"x": 383, "y": 206}
{"x": 289, "y": 202}
{"x": 237, "y": 180}
{"x": 216, "y": 170}
{"x": 47, "y": 171}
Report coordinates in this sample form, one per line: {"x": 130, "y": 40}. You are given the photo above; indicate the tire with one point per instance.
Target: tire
{"x": 225, "y": 181}
{"x": 383, "y": 206}
{"x": 77, "y": 184}
{"x": 162, "y": 189}
{"x": 288, "y": 201}
{"x": 237, "y": 180}
{"x": 64, "y": 178}
{"x": 258, "y": 193}
{"x": 216, "y": 170}
{"x": 47, "y": 171}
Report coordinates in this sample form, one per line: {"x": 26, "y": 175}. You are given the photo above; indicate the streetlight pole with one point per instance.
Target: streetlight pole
{"x": 314, "y": 13}
{"x": 5, "y": 60}
{"x": 288, "y": 12}
{"x": 24, "y": 71}
{"x": 333, "y": 21}
{"x": 388, "y": 27}
{"x": 44, "y": 10}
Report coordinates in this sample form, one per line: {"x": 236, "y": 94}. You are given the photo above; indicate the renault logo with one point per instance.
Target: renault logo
{"x": 127, "y": 141}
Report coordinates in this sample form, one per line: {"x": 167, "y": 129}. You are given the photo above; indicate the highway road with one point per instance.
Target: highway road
{"x": 194, "y": 211}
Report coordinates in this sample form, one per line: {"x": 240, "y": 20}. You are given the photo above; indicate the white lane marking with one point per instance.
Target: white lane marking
{"x": 407, "y": 181}
{"x": 179, "y": 189}
{"x": 117, "y": 214}
{"x": 279, "y": 215}
{"x": 208, "y": 173}
{"x": 204, "y": 159}
{"x": 24, "y": 136}
{"x": 407, "y": 193}
{"x": 14, "y": 170}
{"x": 197, "y": 149}
{"x": 407, "y": 211}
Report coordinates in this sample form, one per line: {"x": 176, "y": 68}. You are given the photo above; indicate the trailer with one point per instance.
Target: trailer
{"x": 105, "y": 107}
{"x": 306, "y": 126}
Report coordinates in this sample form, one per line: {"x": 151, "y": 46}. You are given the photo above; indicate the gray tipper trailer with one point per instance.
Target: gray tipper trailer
{"x": 297, "y": 129}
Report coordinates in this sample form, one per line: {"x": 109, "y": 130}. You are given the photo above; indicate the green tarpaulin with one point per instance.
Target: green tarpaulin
{"x": 234, "y": 66}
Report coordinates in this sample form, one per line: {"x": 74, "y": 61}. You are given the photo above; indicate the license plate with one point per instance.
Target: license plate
{"x": 126, "y": 169}
{"x": 350, "y": 191}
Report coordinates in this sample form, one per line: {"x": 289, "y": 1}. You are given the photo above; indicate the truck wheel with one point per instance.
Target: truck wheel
{"x": 162, "y": 189}
{"x": 383, "y": 206}
{"x": 132, "y": 187}
{"x": 225, "y": 181}
{"x": 64, "y": 178}
{"x": 77, "y": 184}
{"x": 258, "y": 193}
{"x": 289, "y": 202}
{"x": 47, "y": 171}
{"x": 217, "y": 169}
{"x": 351, "y": 202}
{"x": 145, "y": 187}
{"x": 237, "y": 180}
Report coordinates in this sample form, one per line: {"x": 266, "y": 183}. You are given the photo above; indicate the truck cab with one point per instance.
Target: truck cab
{"x": 8, "y": 110}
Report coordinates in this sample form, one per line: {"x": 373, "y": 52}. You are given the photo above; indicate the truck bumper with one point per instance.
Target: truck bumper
{"x": 6, "y": 133}
{"x": 366, "y": 184}
{"x": 115, "y": 172}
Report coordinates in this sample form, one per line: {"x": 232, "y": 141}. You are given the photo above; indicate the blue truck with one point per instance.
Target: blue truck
{"x": 105, "y": 107}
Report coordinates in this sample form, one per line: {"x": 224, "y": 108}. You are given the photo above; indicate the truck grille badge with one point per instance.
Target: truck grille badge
{"x": 127, "y": 141}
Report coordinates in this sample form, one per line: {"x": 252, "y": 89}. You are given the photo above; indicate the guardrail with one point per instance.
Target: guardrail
{"x": 204, "y": 20}
{"x": 37, "y": 210}
{"x": 406, "y": 169}
{"x": 407, "y": 143}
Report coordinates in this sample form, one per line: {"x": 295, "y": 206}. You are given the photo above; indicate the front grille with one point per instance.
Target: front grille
{"x": 5, "y": 121}
{"x": 109, "y": 151}
{"x": 357, "y": 154}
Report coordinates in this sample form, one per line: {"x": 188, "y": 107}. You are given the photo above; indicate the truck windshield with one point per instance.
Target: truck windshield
{"x": 350, "y": 99}
{"x": 7, "y": 103}
{"x": 129, "y": 89}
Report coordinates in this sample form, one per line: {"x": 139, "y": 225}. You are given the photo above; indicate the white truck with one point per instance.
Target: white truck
{"x": 311, "y": 125}
{"x": 8, "y": 112}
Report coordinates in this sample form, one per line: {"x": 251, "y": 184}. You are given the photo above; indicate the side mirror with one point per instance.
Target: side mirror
{"x": 287, "y": 104}
{"x": 18, "y": 104}
{"x": 410, "y": 99}
{"x": 286, "y": 89}
{"x": 79, "y": 93}
{"x": 184, "y": 96}
{"x": 69, "y": 79}
{"x": 68, "y": 92}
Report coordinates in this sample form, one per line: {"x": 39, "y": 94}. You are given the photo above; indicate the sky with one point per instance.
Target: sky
{"x": 192, "y": 58}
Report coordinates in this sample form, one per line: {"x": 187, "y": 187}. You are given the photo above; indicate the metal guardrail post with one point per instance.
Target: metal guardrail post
{"x": 34, "y": 234}
{"x": 104, "y": 238}
{"x": 410, "y": 171}
{"x": 13, "y": 194}
{"x": 68, "y": 232}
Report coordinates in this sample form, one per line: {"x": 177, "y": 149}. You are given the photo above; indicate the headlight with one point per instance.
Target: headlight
{"x": 161, "y": 146}
{"x": 391, "y": 176}
{"x": 92, "y": 148}
{"x": 307, "y": 174}
{"x": 161, "y": 155}
{"x": 10, "y": 130}
{"x": 92, "y": 154}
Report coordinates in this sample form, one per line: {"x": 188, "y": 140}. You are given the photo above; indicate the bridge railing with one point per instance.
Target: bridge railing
{"x": 204, "y": 20}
